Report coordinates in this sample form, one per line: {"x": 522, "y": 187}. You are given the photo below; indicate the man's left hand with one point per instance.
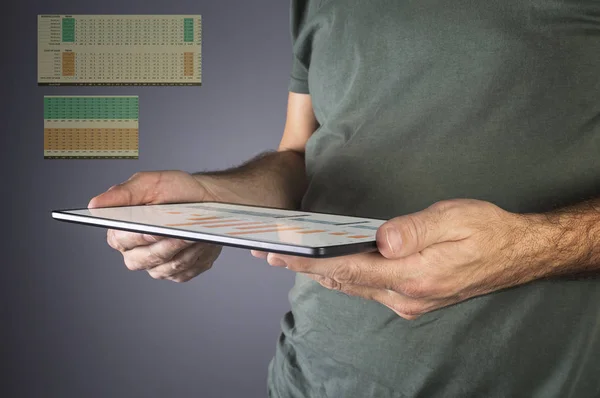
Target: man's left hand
{"x": 447, "y": 253}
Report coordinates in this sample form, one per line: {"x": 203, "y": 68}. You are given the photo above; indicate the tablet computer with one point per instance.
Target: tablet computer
{"x": 267, "y": 229}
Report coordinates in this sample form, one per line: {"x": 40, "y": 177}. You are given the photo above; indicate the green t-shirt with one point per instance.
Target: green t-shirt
{"x": 424, "y": 100}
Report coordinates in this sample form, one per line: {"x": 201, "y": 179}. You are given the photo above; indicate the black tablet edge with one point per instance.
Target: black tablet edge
{"x": 302, "y": 251}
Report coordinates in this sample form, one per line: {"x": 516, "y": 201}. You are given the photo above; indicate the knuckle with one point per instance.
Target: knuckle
{"x": 297, "y": 264}
{"x": 130, "y": 264}
{"x": 175, "y": 245}
{"x": 445, "y": 205}
{"x": 177, "y": 264}
{"x": 446, "y": 210}
{"x": 113, "y": 241}
{"x": 346, "y": 273}
{"x": 156, "y": 257}
{"x": 207, "y": 266}
{"x": 109, "y": 239}
{"x": 156, "y": 275}
{"x": 179, "y": 279}
{"x": 117, "y": 245}
{"x": 413, "y": 231}
{"x": 440, "y": 207}
{"x": 330, "y": 284}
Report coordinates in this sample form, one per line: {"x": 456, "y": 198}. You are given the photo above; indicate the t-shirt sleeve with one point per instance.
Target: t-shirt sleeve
{"x": 299, "y": 76}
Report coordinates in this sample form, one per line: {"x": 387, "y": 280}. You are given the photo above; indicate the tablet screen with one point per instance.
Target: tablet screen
{"x": 235, "y": 224}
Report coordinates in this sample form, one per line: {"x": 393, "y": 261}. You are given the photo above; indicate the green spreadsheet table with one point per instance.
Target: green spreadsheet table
{"x": 91, "y": 127}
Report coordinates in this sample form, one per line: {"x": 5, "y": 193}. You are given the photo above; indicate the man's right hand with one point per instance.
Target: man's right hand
{"x": 163, "y": 258}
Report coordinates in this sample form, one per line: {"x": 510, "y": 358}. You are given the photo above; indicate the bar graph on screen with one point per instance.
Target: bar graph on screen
{"x": 263, "y": 228}
{"x": 297, "y": 228}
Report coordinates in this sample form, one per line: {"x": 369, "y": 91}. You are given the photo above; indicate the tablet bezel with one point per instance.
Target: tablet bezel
{"x": 243, "y": 243}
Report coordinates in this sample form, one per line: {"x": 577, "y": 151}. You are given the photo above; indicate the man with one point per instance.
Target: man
{"x": 474, "y": 127}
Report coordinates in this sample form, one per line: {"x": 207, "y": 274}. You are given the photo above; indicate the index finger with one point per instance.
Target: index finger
{"x": 125, "y": 240}
{"x": 365, "y": 269}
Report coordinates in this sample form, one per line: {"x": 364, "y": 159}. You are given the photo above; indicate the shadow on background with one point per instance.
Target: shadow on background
{"x": 74, "y": 321}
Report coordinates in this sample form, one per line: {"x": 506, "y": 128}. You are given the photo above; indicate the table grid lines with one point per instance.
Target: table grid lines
{"x": 91, "y": 127}
{"x": 119, "y": 50}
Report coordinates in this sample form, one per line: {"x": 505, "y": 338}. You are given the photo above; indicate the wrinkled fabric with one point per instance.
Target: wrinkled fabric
{"x": 421, "y": 101}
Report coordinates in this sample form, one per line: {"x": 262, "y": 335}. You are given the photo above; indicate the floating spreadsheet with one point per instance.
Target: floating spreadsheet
{"x": 91, "y": 127}
{"x": 119, "y": 50}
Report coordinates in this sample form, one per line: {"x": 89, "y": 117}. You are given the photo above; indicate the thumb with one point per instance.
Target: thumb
{"x": 134, "y": 191}
{"x": 409, "y": 234}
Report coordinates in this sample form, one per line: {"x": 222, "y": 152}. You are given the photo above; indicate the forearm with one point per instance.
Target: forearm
{"x": 275, "y": 179}
{"x": 565, "y": 241}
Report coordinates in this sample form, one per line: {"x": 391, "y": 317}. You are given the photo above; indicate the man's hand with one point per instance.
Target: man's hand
{"x": 163, "y": 258}
{"x": 447, "y": 253}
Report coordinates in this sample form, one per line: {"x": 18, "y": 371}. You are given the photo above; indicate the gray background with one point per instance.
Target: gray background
{"x": 74, "y": 321}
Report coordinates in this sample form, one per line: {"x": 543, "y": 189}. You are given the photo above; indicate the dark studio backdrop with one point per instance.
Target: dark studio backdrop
{"x": 74, "y": 321}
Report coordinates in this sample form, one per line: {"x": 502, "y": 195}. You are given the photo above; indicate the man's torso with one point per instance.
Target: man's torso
{"x": 420, "y": 101}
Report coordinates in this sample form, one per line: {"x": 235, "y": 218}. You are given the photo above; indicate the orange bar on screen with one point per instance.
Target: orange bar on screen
{"x": 182, "y": 224}
{"x": 215, "y": 222}
{"x": 193, "y": 223}
{"x": 264, "y": 226}
{"x": 234, "y": 224}
{"x": 260, "y": 231}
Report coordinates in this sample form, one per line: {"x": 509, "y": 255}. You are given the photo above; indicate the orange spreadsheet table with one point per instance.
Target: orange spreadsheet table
{"x": 91, "y": 127}
{"x": 109, "y": 50}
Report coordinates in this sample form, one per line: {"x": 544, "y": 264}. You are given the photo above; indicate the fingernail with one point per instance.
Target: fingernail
{"x": 393, "y": 238}
{"x": 275, "y": 261}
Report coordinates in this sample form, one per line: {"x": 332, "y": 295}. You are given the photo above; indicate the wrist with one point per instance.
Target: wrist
{"x": 216, "y": 189}
{"x": 561, "y": 242}
{"x": 538, "y": 245}
{"x": 273, "y": 179}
